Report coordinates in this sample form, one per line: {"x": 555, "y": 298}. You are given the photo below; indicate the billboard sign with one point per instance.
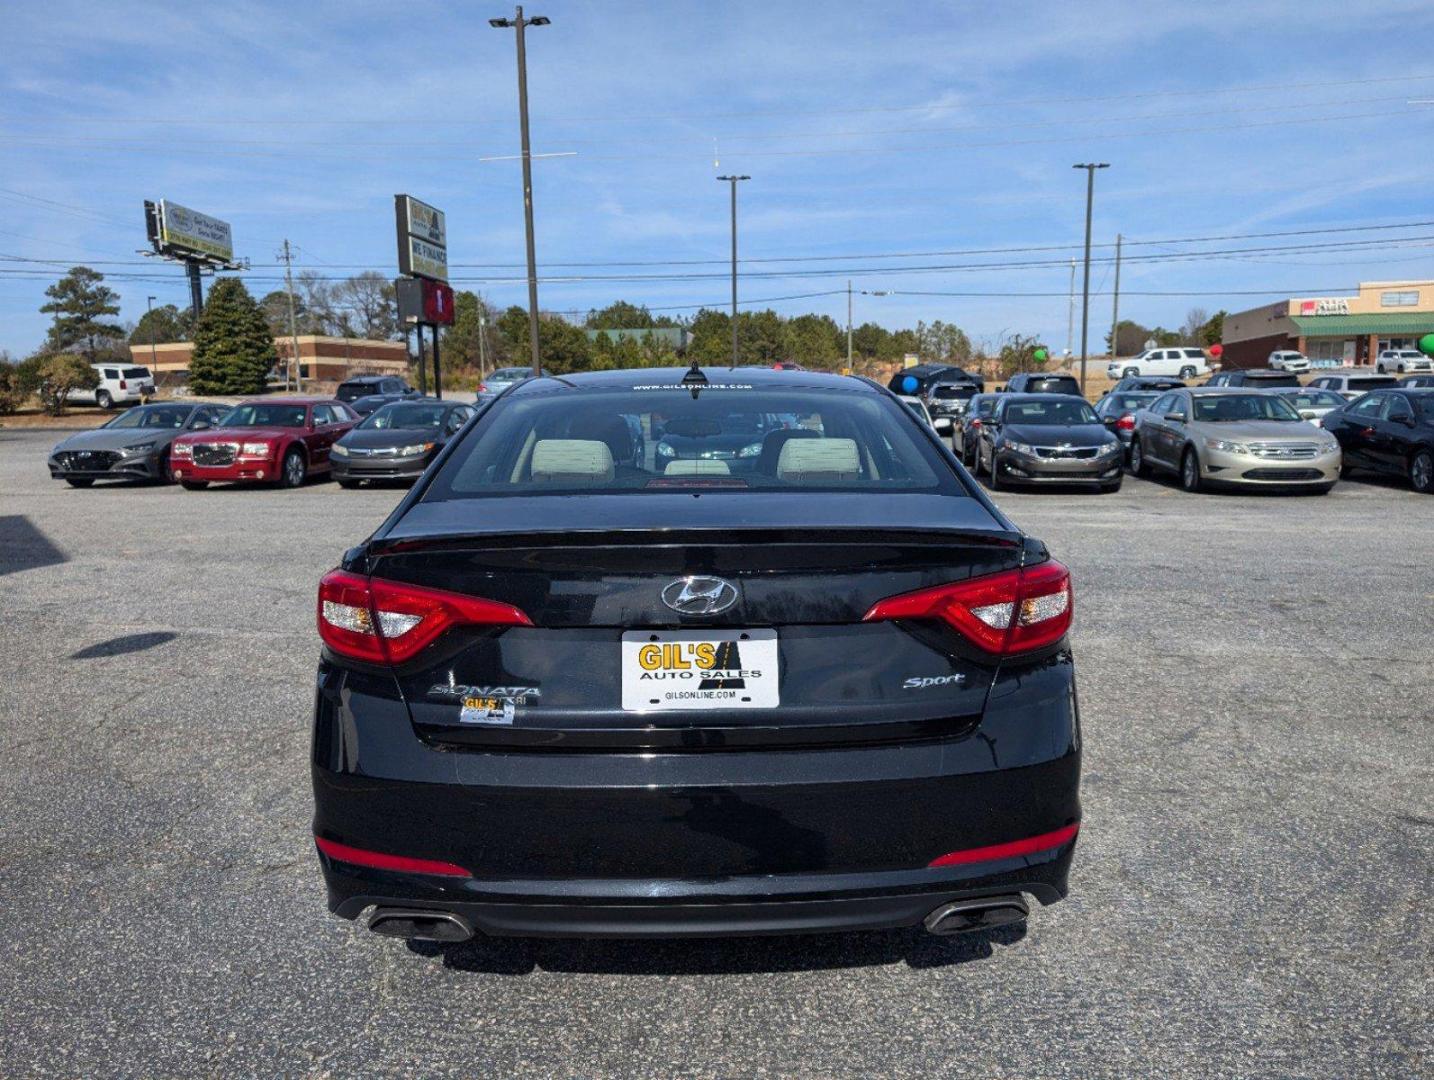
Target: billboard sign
{"x": 422, "y": 239}
{"x": 183, "y": 231}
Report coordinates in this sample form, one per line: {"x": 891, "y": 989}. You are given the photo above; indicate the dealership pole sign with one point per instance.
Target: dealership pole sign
{"x": 424, "y": 296}
{"x": 422, "y": 239}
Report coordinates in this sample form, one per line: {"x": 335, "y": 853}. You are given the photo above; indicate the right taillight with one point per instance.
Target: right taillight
{"x": 378, "y": 621}
{"x": 1014, "y": 611}
{"x": 1126, "y": 423}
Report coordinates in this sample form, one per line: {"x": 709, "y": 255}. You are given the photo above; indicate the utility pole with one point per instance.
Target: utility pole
{"x": 293, "y": 318}
{"x": 1070, "y": 316}
{"x": 732, "y": 180}
{"x": 1115, "y": 306}
{"x": 482, "y": 340}
{"x": 1090, "y": 168}
{"x": 153, "y": 355}
{"x": 848, "y": 324}
{"x": 519, "y": 23}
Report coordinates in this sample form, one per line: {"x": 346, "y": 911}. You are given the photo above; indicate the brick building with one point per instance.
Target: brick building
{"x": 324, "y": 359}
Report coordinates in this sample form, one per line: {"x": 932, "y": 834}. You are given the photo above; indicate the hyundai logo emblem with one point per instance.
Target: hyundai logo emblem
{"x": 699, "y": 595}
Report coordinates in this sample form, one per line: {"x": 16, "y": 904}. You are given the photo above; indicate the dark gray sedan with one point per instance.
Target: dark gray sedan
{"x": 1048, "y": 439}
{"x": 397, "y": 441}
{"x": 132, "y": 446}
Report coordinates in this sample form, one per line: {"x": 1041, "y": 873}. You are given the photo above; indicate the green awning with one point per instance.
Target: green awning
{"x": 1391, "y": 325}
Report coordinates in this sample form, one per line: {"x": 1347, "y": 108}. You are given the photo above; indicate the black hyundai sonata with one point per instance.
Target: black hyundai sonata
{"x": 570, "y": 687}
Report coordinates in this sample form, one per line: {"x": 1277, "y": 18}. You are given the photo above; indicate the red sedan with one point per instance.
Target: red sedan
{"x": 279, "y": 441}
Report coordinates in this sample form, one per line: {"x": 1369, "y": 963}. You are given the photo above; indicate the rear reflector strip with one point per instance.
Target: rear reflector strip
{"x": 1030, "y": 846}
{"x": 379, "y": 861}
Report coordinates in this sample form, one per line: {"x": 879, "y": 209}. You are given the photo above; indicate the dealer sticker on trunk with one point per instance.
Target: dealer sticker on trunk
{"x": 699, "y": 669}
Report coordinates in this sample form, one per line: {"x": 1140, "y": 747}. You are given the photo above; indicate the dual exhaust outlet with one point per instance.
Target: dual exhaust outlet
{"x": 956, "y": 917}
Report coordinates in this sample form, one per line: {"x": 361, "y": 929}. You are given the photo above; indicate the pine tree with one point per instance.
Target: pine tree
{"x": 233, "y": 350}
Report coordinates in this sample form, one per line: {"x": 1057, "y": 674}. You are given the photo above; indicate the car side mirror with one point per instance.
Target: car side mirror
{"x": 1407, "y": 420}
{"x": 1176, "y": 417}
{"x": 200, "y": 425}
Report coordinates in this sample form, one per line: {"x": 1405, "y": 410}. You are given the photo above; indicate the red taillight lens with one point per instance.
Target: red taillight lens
{"x": 376, "y": 620}
{"x": 975, "y": 423}
{"x": 1126, "y": 423}
{"x": 380, "y": 861}
{"x": 1011, "y": 612}
{"x": 482, "y": 388}
{"x": 124, "y": 384}
{"x": 1031, "y": 845}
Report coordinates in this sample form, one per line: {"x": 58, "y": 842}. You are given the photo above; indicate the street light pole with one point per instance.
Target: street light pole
{"x": 732, "y": 180}
{"x": 1090, "y": 168}
{"x": 519, "y": 23}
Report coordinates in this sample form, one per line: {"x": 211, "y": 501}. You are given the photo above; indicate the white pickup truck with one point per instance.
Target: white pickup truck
{"x": 1181, "y": 363}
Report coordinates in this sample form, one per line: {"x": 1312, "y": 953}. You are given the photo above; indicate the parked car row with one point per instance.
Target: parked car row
{"x": 278, "y": 440}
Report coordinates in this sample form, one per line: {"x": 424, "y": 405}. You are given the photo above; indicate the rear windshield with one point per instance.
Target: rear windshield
{"x": 1236, "y": 407}
{"x": 1371, "y": 382}
{"x": 1271, "y": 378}
{"x": 1020, "y": 413}
{"x": 511, "y": 374}
{"x": 949, "y": 391}
{"x": 1054, "y": 385}
{"x": 405, "y": 417}
{"x": 264, "y": 416}
{"x": 352, "y": 391}
{"x": 136, "y": 373}
{"x": 659, "y": 439}
{"x": 1131, "y": 402}
{"x": 1315, "y": 399}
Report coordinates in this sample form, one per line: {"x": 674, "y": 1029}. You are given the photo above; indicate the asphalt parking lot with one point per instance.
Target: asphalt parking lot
{"x": 1249, "y": 897}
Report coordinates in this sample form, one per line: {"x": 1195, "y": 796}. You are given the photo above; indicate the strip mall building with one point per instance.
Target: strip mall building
{"x": 1333, "y": 331}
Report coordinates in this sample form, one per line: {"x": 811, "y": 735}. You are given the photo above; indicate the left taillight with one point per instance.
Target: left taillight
{"x": 1012, "y": 612}
{"x": 1126, "y": 423}
{"x": 381, "y": 621}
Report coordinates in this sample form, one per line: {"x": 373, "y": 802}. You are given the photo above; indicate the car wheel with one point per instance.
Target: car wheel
{"x": 995, "y": 477}
{"x": 1379, "y": 368}
{"x": 79, "y": 481}
{"x": 1131, "y": 373}
{"x": 1187, "y": 373}
{"x": 1190, "y": 470}
{"x": 293, "y": 471}
{"x": 104, "y": 401}
{"x": 194, "y": 485}
{"x": 348, "y": 485}
{"x": 1421, "y": 472}
{"x": 1138, "y": 467}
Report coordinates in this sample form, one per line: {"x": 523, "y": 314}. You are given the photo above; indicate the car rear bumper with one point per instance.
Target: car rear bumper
{"x": 697, "y": 842}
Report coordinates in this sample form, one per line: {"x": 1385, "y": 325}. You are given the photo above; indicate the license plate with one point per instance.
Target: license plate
{"x": 699, "y": 669}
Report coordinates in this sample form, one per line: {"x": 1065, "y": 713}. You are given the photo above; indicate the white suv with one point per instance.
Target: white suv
{"x": 119, "y": 384}
{"x": 1402, "y": 360}
{"x": 1180, "y": 363}
{"x": 1288, "y": 360}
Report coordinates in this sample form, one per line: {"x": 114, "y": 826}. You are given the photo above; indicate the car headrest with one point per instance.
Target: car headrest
{"x": 609, "y": 429}
{"x": 819, "y": 461}
{"x": 696, "y": 467}
{"x": 572, "y": 461}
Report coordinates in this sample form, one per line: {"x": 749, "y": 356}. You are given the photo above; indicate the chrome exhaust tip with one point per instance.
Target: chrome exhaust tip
{"x": 963, "y": 916}
{"x": 416, "y": 924}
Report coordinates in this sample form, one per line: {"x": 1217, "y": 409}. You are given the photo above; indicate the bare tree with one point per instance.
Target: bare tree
{"x": 369, "y": 305}
{"x": 1195, "y": 320}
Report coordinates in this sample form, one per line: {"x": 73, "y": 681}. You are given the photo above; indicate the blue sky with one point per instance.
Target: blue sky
{"x": 878, "y": 132}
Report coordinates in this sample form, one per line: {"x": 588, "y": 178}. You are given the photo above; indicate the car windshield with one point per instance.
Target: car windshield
{"x": 352, "y": 391}
{"x": 1130, "y": 402}
{"x": 1021, "y": 413}
{"x": 947, "y": 391}
{"x": 1315, "y": 399}
{"x": 152, "y": 416}
{"x": 407, "y": 416}
{"x": 1222, "y": 408}
{"x": 602, "y": 441}
{"x": 1371, "y": 382}
{"x": 264, "y": 416}
{"x": 1062, "y": 385}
